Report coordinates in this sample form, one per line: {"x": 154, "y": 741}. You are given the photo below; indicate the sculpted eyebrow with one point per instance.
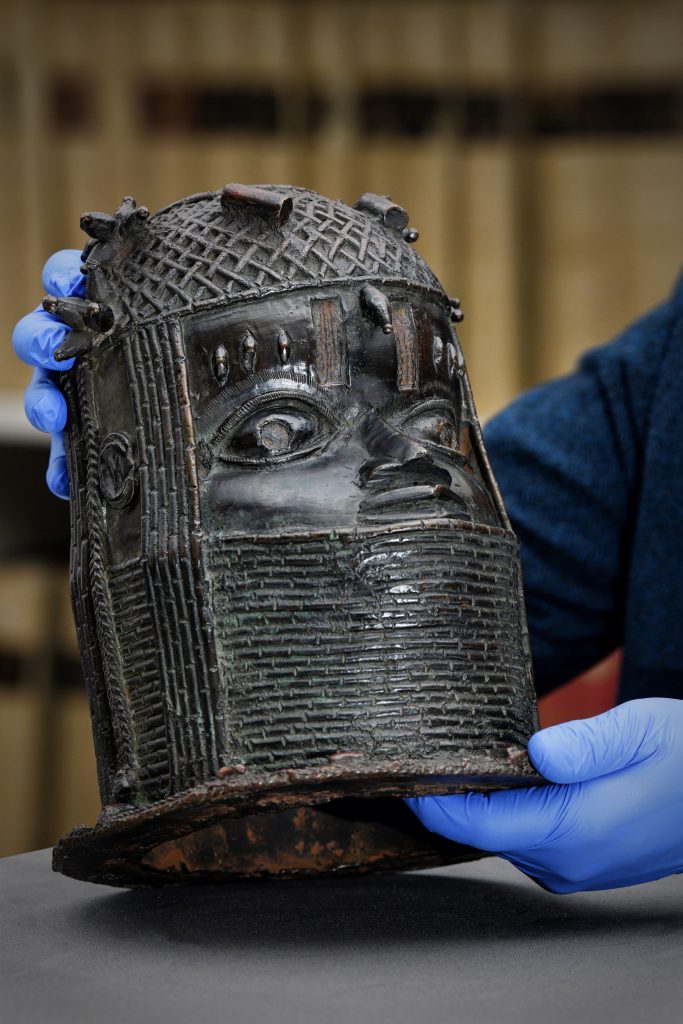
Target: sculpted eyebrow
{"x": 434, "y": 389}
{"x": 241, "y": 392}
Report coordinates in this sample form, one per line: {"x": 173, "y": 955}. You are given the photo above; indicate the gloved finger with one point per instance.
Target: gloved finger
{"x": 57, "y": 477}
{"x": 37, "y": 336}
{"x": 587, "y": 749}
{"x": 510, "y": 820}
{"x": 62, "y": 273}
{"x": 44, "y": 403}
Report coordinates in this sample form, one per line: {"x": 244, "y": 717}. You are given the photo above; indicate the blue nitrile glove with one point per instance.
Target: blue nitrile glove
{"x": 614, "y": 819}
{"x": 35, "y": 339}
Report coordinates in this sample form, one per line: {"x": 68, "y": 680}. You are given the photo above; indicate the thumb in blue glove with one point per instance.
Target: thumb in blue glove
{"x": 36, "y": 338}
{"x": 613, "y": 817}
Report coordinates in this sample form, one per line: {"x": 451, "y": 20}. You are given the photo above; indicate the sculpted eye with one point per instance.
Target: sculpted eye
{"x": 432, "y": 420}
{"x": 274, "y": 430}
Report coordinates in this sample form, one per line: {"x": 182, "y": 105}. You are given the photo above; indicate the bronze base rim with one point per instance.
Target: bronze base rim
{"x": 245, "y": 809}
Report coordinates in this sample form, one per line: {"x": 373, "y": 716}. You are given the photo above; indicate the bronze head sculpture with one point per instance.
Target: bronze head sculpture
{"x": 296, "y": 588}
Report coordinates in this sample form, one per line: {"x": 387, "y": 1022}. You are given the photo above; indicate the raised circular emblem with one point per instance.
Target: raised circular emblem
{"x": 117, "y": 470}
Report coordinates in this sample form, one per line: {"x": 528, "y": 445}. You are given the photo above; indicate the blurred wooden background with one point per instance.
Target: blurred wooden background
{"x": 537, "y": 144}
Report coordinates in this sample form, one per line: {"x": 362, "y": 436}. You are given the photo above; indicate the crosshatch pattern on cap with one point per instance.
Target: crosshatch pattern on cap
{"x": 193, "y": 254}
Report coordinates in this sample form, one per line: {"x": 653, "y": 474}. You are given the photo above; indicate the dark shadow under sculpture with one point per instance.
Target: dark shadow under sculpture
{"x": 295, "y": 585}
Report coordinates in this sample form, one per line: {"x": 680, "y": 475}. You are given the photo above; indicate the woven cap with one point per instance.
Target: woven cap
{"x": 211, "y": 249}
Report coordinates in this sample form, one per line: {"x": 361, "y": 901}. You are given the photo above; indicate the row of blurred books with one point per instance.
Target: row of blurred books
{"x": 552, "y": 237}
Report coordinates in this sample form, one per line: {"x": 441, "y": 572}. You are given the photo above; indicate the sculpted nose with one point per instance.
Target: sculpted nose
{"x": 402, "y": 480}
{"x": 384, "y": 443}
{"x": 417, "y": 488}
{"x": 394, "y": 459}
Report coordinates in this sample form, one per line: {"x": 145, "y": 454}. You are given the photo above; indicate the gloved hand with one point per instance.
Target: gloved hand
{"x": 614, "y": 817}
{"x": 35, "y": 339}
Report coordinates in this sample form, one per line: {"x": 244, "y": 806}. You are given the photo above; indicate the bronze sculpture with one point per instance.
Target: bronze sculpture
{"x": 294, "y": 581}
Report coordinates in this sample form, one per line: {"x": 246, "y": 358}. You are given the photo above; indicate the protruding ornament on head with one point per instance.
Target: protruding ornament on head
{"x": 113, "y": 237}
{"x": 88, "y": 322}
{"x": 457, "y": 315}
{"x": 385, "y": 209}
{"x": 127, "y": 222}
{"x": 389, "y": 213}
{"x": 376, "y": 305}
{"x": 275, "y": 207}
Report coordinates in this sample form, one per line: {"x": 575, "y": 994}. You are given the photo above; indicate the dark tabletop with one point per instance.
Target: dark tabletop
{"x": 472, "y": 943}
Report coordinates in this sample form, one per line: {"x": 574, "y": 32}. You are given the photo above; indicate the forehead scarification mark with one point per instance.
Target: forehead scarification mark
{"x": 284, "y": 346}
{"x": 453, "y": 361}
{"x": 437, "y": 354}
{"x": 248, "y": 352}
{"x": 331, "y": 357}
{"x": 220, "y": 363}
{"x": 406, "y": 346}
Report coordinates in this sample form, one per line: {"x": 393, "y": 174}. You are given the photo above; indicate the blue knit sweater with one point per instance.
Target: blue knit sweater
{"x": 591, "y": 469}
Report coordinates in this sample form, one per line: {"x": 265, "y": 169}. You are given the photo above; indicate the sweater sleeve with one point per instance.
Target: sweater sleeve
{"x": 568, "y": 460}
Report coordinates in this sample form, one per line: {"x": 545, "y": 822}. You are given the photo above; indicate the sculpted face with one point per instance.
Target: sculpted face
{"x": 311, "y": 415}
{"x": 344, "y": 513}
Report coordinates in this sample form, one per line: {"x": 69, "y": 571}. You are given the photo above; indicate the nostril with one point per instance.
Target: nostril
{"x": 376, "y": 471}
{"x": 412, "y": 495}
{"x": 414, "y": 472}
